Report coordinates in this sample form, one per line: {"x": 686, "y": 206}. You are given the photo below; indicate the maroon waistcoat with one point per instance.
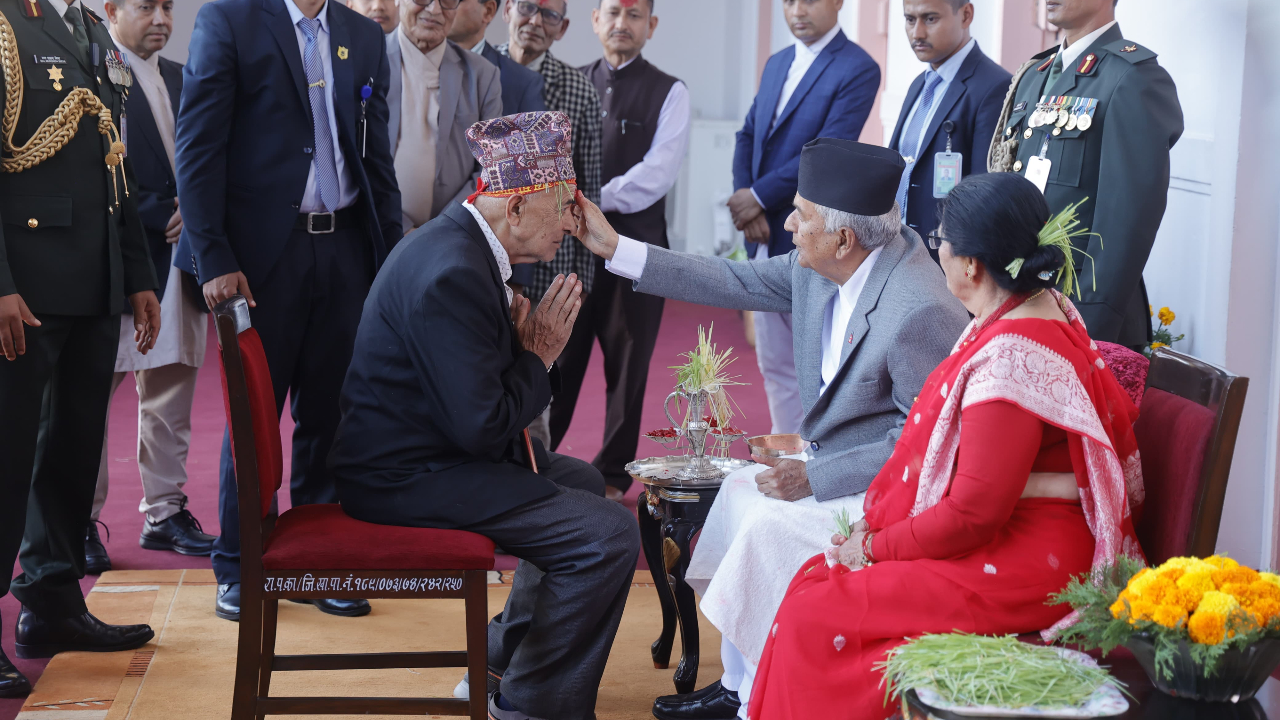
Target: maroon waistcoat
{"x": 630, "y": 101}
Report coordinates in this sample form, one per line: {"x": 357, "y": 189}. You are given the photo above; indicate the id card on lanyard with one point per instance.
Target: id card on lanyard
{"x": 946, "y": 166}
{"x": 1039, "y": 166}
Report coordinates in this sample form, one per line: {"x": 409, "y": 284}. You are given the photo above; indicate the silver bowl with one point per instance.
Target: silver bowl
{"x": 776, "y": 445}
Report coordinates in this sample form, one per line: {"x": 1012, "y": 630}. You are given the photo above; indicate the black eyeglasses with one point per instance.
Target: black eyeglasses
{"x": 550, "y": 18}
{"x": 934, "y": 239}
{"x": 444, "y": 4}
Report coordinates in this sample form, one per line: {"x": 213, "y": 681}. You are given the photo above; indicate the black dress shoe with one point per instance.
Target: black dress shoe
{"x": 227, "y": 603}
{"x": 36, "y": 637}
{"x": 180, "y": 533}
{"x": 341, "y": 608}
{"x": 712, "y": 702}
{"x": 96, "y": 560}
{"x": 12, "y": 682}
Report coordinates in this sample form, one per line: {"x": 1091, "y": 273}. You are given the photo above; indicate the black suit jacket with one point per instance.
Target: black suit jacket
{"x": 157, "y": 186}
{"x": 972, "y": 104}
{"x": 521, "y": 87}
{"x": 245, "y": 135}
{"x": 439, "y": 389}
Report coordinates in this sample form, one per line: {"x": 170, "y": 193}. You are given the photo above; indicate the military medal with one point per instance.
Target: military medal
{"x": 1086, "y": 115}
{"x": 118, "y": 69}
{"x": 1063, "y": 115}
{"x": 55, "y": 74}
{"x": 1074, "y": 116}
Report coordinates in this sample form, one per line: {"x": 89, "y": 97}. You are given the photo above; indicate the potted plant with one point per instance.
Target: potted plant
{"x": 1202, "y": 629}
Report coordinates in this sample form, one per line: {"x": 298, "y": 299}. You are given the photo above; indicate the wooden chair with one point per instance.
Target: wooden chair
{"x": 317, "y": 551}
{"x": 1186, "y": 433}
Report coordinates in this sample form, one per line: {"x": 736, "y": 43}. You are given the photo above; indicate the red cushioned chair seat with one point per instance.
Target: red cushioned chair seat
{"x": 323, "y": 537}
{"x": 1173, "y": 436}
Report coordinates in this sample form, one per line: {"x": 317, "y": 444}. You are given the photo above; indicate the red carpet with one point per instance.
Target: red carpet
{"x": 679, "y": 333}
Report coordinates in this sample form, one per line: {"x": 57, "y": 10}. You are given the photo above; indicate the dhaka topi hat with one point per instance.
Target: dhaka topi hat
{"x": 850, "y": 176}
{"x": 522, "y": 153}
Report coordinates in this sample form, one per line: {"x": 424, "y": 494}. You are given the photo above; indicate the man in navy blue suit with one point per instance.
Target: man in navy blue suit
{"x": 822, "y": 86}
{"x": 289, "y": 198}
{"x": 950, "y": 112}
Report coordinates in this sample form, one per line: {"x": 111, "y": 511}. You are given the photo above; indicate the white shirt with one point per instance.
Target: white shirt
{"x": 629, "y": 260}
{"x": 1069, "y": 54}
{"x": 346, "y": 187}
{"x": 649, "y": 180}
{"x": 805, "y": 55}
{"x": 947, "y": 71}
{"x": 499, "y": 252}
{"x": 839, "y": 311}
{"x": 147, "y": 74}
{"x": 479, "y": 47}
{"x": 800, "y": 64}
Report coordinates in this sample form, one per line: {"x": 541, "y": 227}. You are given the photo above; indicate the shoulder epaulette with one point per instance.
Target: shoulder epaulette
{"x": 1129, "y": 50}
{"x": 92, "y": 15}
{"x": 31, "y": 8}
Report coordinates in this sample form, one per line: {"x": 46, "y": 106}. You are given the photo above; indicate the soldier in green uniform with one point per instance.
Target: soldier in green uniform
{"x": 1093, "y": 120}
{"x": 73, "y": 255}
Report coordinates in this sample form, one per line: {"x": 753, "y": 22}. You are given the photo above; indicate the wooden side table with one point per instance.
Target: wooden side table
{"x": 669, "y": 518}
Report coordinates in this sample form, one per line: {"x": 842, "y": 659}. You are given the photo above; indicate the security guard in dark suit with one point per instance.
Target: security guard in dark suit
{"x": 73, "y": 250}
{"x": 1098, "y": 129}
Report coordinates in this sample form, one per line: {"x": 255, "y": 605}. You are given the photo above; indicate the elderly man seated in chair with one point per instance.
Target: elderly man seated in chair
{"x": 871, "y": 318}
{"x": 448, "y": 371}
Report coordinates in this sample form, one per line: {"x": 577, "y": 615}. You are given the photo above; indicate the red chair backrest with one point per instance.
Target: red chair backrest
{"x": 242, "y": 352}
{"x": 1186, "y": 433}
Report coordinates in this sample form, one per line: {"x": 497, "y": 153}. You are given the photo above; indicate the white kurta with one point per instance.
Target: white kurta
{"x": 750, "y": 548}
{"x": 183, "y": 332}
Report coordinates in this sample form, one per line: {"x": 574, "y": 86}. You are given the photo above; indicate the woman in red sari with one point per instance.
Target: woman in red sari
{"x": 971, "y": 529}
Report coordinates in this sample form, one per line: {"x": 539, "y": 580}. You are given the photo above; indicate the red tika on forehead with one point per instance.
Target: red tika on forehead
{"x": 544, "y": 3}
{"x": 628, "y": 3}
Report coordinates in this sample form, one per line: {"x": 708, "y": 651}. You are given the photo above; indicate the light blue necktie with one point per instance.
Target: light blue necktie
{"x": 325, "y": 164}
{"x": 909, "y": 144}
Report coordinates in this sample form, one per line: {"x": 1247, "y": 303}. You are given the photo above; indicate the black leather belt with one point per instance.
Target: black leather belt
{"x": 322, "y": 223}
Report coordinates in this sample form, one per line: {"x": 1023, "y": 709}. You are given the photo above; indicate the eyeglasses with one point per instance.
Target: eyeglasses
{"x": 444, "y": 4}
{"x": 550, "y": 18}
{"x": 934, "y": 239}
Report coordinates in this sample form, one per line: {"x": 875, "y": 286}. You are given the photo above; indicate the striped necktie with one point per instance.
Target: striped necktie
{"x": 909, "y": 143}
{"x": 325, "y": 164}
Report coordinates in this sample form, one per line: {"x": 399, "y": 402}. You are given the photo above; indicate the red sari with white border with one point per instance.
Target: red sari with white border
{"x": 836, "y": 623}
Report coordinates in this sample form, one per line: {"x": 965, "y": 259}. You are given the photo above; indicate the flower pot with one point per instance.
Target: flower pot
{"x": 1239, "y": 675}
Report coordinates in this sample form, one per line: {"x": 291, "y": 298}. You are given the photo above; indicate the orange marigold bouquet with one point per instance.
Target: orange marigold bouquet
{"x": 1203, "y": 607}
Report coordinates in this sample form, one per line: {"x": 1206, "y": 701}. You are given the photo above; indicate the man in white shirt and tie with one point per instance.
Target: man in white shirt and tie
{"x": 292, "y": 209}
{"x": 872, "y": 317}
{"x": 950, "y": 111}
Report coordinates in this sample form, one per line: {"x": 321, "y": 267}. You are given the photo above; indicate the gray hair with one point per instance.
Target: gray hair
{"x": 873, "y": 231}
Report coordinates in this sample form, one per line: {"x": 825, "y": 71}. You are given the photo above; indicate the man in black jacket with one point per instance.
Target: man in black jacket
{"x": 448, "y": 371}
{"x": 72, "y": 256}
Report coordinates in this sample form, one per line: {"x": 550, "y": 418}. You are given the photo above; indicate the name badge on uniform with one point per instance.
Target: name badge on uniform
{"x": 946, "y": 172}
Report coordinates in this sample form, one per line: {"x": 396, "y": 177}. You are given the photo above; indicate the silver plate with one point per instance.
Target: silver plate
{"x": 661, "y": 471}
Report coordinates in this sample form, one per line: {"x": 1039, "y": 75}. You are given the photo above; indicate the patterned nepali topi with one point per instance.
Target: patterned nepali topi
{"x": 522, "y": 153}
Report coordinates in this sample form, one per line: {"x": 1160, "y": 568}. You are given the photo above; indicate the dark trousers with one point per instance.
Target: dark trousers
{"x": 53, "y": 412}
{"x": 307, "y": 313}
{"x": 577, "y": 561}
{"x": 626, "y": 323}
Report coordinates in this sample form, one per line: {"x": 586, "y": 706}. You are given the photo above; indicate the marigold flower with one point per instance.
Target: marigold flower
{"x": 1264, "y": 610}
{"x": 1222, "y": 563}
{"x": 1230, "y": 576}
{"x": 1272, "y": 578}
{"x": 1207, "y": 628}
{"x": 1139, "y": 583}
{"x": 1171, "y": 573}
{"x": 1186, "y": 598}
{"x": 1151, "y": 310}
{"x": 1219, "y": 603}
{"x": 1264, "y": 588}
{"x": 1169, "y": 616}
{"x": 1166, "y": 316}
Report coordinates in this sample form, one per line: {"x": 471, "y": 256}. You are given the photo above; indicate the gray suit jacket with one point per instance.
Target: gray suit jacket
{"x": 470, "y": 91}
{"x": 904, "y": 325}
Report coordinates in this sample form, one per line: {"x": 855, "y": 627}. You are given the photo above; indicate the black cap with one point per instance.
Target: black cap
{"x": 850, "y": 176}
